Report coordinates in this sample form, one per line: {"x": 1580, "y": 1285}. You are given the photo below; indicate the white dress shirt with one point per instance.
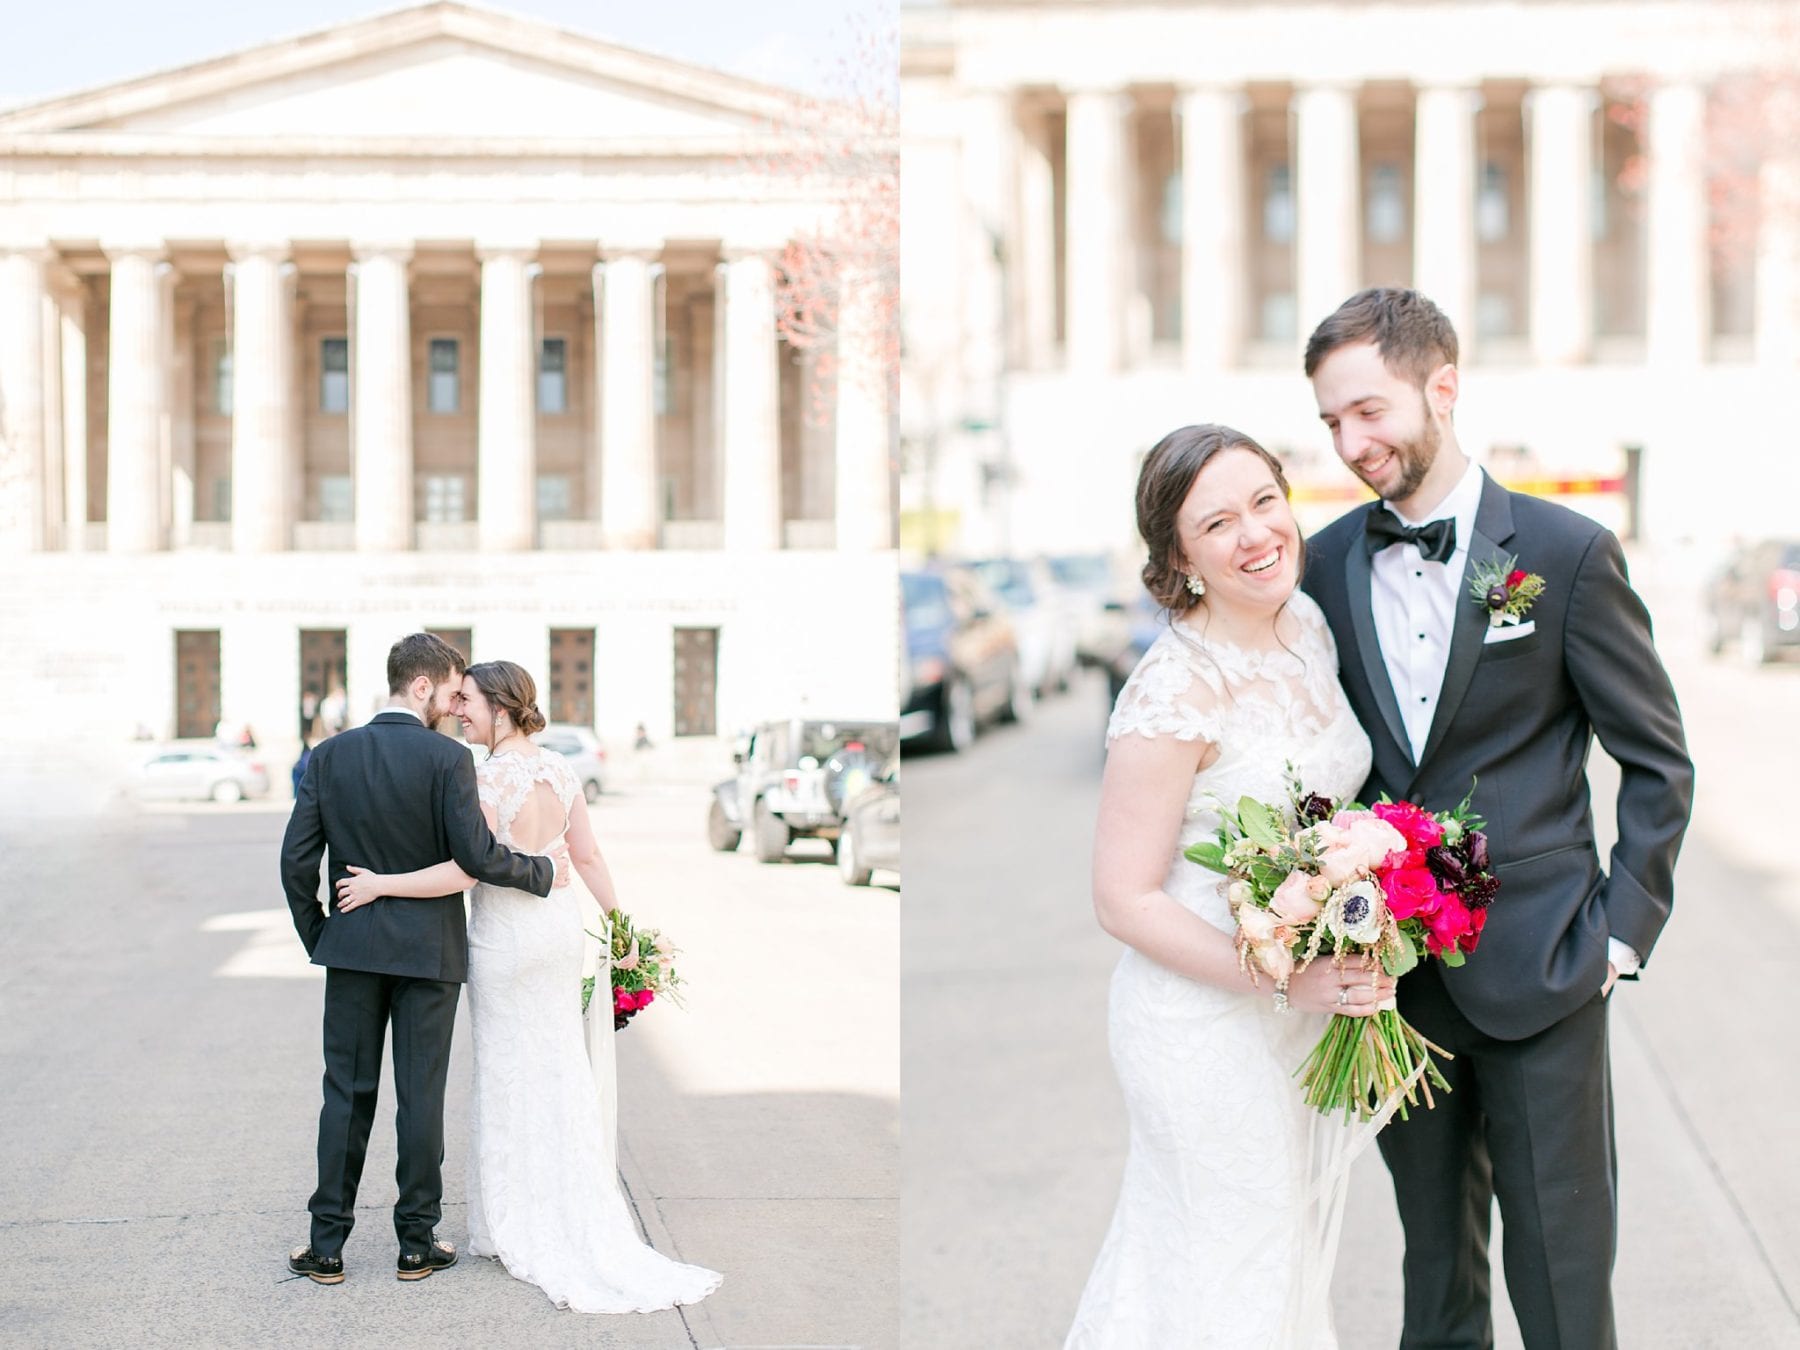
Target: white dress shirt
{"x": 397, "y": 708}
{"x": 1415, "y": 615}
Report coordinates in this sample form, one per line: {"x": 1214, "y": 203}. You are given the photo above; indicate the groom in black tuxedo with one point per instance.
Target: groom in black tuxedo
{"x": 391, "y": 796}
{"x": 1448, "y": 696}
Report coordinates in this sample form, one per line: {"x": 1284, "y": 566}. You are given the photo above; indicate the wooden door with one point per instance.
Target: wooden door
{"x": 196, "y": 684}
{"x": 572, "y": 676}
{"x": 696, "y": 681}
{"x": 323, "y": 663}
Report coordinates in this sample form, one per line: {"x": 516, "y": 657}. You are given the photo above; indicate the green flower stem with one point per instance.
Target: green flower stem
{"x": 1361, "y": 1063}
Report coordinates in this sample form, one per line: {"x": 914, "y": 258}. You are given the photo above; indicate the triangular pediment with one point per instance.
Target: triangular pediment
{"x": 438, "y": 71}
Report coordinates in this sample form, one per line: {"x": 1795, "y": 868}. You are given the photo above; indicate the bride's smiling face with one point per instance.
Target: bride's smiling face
{"x": 1238, "y": 532}
{"x": 475, "y": 713}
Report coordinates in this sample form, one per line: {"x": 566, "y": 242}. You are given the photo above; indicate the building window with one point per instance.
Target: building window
{"x": 555, "y": 496}
{"x": 1280, "y": 317}
{"x": 1598, "y": 197}
{"x": 446, "y": 498}
{"x": 553, "y": 376}
{"x": 696, "y": 681}
{"x": 337, "y": 500}
{"x": 1493, "y": 315}
{"x": 660, "y": 380}
{"x": 334, "y": 375}
{"x": 1278, "y": 205}
{"x": 1387, "y": 205}
{"x": 222, "y": 499}
{"x": 444, "y": 395}
{"x": 221, "y": 369}
{"x": 1493, "y": 211}
{"x": 1170, "y": 215}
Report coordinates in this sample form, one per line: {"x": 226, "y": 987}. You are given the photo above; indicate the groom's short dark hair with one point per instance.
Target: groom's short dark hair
{"x": 1413, "y": 335}
{"x": 419, "y": 654}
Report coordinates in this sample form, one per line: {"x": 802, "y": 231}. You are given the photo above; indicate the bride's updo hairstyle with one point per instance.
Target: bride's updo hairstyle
{"x": 1163, "y": 485}
{"x": 509, "y": 689}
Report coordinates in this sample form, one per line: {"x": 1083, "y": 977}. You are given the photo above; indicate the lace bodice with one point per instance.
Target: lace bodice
{"x": 505, "y": 781}
{"x": 1263, "y": 710}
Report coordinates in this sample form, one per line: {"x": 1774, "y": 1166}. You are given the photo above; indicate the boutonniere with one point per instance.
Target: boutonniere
{"x": 1504, "y": 591}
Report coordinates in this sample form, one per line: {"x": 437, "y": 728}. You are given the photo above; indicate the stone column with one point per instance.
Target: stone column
{"x": 1212, "y": 229}
{"x": 1097, "y": 244}
{"x": 1444, "y": 244}
{"x": 134, "y": 402}
{"x": 1034, "y": 271}
{"x": 183, "y": 384}
{"x": 1327, "y": 238}
{"x": 1778, "y": 264}
{"x": 73, "y": 319}
{"x": 50, "y": 326}
{"x": 381, "y": 399}
{"x": 628, "y": 502}
{"x": 506, "y": 426}
{"x": 986, "y": 243}
{"x": 1560, "y": 122}
{"x": 1678, "y": 280}
{"x": 752, "y": 403}
{"x": 261, "y": 390}
{"x": 22, "y": 290}
{"x": 864, "y": 507}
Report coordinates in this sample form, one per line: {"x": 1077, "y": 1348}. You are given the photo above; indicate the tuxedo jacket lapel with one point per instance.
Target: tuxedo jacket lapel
{"x": 1493, "y": 528}
{"x": 1358, "y": 576}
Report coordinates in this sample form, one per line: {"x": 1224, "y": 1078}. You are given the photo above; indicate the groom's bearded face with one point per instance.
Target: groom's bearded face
{"x": 443, "y": 698}
{"x": 1415, "y": 450}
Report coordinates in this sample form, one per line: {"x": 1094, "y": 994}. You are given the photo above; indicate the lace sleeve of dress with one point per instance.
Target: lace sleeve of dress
{"x": 556, "y": 772}
{"x": 1175, "y": 691}
{"x": 1318, "y": 632}
{"x": 505, "y": 783}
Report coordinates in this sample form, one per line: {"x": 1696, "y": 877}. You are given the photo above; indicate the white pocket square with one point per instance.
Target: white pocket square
{"x": 1507, "y": 632}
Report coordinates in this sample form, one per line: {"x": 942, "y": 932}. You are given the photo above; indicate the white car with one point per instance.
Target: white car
{"x": 198, "y": 773}
{"x": 582, "y": 748}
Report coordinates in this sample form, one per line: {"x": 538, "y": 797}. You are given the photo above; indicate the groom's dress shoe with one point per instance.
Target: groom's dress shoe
{"x": 320, "y": 1269}
{"x": 417, "y": 1265}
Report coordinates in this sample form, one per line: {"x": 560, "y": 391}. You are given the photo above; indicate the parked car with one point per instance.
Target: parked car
{"x": 198, "y": 772}
{"x": 1130, "y": 627}
{"x": 1089, "y": 581}
{"x": 871, "y": 834}
{"x": 782, "y": 790}
{"x": 581, "y": 747}
{"x": 1043, "y": 618}
{"x": 962, "y": 660}
{"x": 1754, "y": 600}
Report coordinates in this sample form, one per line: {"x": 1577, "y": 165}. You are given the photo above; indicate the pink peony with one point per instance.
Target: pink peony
{"x": 1421, "y": 831}
{"x": 1377, "y": 841}
{"x": 1257, "y": 923}
{"x": 1293, "y": 901}
{"x": 1342, "y": 862}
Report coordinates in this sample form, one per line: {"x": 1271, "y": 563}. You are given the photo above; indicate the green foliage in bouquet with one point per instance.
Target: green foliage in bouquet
{"x": 642, "y": 962}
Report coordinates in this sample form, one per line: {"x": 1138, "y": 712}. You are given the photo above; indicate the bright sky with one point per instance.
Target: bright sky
{"x": 67, "y": 45}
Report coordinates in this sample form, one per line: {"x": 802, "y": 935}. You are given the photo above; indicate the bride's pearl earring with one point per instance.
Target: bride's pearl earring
{"x": 1195, "y": 584}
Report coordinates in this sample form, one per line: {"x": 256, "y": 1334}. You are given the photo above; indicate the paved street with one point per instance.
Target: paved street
{"x": 159, "y": 1046}
{"x": 1014, "y": 1133}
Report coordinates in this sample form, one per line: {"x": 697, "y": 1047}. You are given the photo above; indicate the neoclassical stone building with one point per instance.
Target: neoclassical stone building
{"x": 1123, "y": 217}
{"x": 443, "y": 319}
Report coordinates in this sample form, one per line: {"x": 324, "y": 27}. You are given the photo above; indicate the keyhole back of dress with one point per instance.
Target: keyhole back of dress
{"x": 540, "y": 819}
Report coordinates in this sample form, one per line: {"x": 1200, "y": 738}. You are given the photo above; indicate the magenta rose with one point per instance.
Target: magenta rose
{"x": 622, "y": 1000}
{"x": 645, "y": 997}
{"x": 1410, "y": 891}
{"x": 1447, "y": 926}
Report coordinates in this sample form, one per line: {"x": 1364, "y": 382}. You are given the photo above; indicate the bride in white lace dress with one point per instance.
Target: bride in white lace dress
{"x": 1226, "y": 1223}
{"x": 544, "y": 1193}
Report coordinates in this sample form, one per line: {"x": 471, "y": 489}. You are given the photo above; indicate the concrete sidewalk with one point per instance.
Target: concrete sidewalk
{"x": 159, "y": 1043}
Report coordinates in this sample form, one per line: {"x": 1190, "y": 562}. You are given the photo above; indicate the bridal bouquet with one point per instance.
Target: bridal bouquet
{"x": 1311, "y": 879}
{"x": 642, "y": 968}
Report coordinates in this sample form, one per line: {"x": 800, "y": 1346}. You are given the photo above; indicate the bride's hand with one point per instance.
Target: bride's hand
{"x": 358, "y": 889}
{"x": 1358, "y": 988}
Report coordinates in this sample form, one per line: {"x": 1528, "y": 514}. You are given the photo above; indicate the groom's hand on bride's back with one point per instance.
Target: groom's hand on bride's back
{"x": 560, "y": 858}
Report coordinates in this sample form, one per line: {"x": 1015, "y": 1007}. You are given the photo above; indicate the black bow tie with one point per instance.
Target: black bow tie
{"x": 1436, "y": 539}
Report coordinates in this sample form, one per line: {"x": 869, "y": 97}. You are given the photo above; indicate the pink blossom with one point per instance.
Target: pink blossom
{"x": 1410, "y": 891}
{"x": 1293, "y": 901}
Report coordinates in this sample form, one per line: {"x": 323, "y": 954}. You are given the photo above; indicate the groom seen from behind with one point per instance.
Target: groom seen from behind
{"x": 1488, "y": 635}
{"x": 392, "y": 795}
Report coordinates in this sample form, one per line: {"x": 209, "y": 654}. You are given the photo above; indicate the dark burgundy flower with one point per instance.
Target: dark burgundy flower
{"x": 1313, "y": 808}
{"x": 1478, "y": 891}
{"x": 1447, "y": 867}
{"x": 1497, "y": 597}
{"x": 1477, "y": 845}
